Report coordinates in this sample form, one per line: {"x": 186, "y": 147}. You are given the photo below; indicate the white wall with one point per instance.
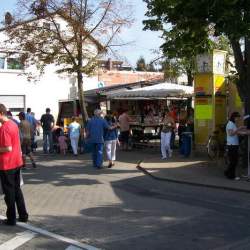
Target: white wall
{"x": 40, "y": 95}
{"x": 48, "y": 90}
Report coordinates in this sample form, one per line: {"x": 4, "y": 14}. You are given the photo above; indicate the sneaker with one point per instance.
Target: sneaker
{"x": 237, "y": 178}
{"x": 24, "y": 220}
{"x": 163, "y": 158}
{"x": 33, "y": 164}
{"x": 8, "y": 223}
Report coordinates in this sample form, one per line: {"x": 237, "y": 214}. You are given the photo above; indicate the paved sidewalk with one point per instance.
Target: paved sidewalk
{"x": 196, "y": 170}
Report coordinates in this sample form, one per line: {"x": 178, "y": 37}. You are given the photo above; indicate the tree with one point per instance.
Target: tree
{"x": 85, "y": 22}
{"x": 188, "y": 26}
{"x": 141, "y": 64}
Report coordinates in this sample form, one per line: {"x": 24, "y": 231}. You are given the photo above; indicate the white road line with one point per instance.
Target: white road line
{"x": 17, "y": 241}
{"x": 53, "y": 235}
{"x": 73, "y": 248}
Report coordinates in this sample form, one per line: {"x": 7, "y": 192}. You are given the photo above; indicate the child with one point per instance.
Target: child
{"x": 62, "y": 140}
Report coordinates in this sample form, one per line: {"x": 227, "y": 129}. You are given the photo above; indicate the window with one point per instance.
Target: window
{"x": 46, "y": 25}
{"x": 2, "y": 62}
{"x": 14, "y": 63}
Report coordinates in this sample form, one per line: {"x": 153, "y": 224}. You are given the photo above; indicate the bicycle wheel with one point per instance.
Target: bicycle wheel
{"x": 212, "y": 148}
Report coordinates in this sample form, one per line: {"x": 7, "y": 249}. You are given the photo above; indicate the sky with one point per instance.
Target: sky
{"x": 141, "y": 43}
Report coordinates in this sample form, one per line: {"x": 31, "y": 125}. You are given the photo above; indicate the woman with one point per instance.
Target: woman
{"x": 111, "y": 139}
{"x": 232, "y": 145}
{"x": 182, "y": 124}
{"x": 166, "y": 132}
{"x": 74, "y": 134}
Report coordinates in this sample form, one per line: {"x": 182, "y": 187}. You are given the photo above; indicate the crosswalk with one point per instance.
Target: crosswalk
{"x": 26, "y": 236}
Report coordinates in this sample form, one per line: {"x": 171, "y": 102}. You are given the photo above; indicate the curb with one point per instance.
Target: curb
{"x": 190, "y": 183}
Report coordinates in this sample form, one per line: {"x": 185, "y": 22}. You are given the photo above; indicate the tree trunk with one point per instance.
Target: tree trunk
{"x": 82, "y": 103}
{"x": 242, "y": 65}
{"x": 189, "y": 77}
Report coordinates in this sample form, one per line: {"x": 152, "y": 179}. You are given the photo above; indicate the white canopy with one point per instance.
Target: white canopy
{"x": 157, "y": 91}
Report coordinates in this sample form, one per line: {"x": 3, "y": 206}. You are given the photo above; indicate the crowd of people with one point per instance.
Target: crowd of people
{"x": 17, "y": 141}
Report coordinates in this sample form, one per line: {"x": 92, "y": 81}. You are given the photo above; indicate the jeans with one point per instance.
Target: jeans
{"x": 13, "y": 195}
{"x": 47, "y": 139}
{"x": 74, "y": 144}
{"x": 111, "y": 149}
{"x": 165, "y": 144}
{"x": 233, "y": 161}
{"x": 97, "y": 154}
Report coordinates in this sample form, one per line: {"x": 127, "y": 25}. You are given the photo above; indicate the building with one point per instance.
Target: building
{"x": 17, "y": 92}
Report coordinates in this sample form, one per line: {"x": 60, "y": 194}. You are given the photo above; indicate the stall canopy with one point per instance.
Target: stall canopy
{"x": 157, "y": 91}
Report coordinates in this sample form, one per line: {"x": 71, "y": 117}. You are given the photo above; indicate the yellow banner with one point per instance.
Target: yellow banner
{"x": 203, "y": 112}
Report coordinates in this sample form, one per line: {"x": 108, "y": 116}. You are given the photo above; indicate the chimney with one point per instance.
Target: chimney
{"x": 110, "y": 64}
{"x": 8, "y": 18}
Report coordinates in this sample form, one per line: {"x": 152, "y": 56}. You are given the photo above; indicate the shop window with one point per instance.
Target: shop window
{"x": 14, "y": 63}
{"x": 2, "y": 62}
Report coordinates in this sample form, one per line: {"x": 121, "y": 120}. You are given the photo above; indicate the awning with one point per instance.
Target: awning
{"x": 157, "y": 91}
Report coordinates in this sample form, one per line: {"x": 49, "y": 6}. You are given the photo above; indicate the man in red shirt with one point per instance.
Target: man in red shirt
{"x": 10, "y": 164}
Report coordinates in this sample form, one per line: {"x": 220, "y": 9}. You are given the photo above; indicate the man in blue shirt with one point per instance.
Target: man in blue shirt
{"x": 94, "y": 132}
{"x": 33, "y": 123}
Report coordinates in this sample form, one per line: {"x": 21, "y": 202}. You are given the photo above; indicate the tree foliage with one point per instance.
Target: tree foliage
{"x": 64, "y": 32}
{"x": 188, "y": 26}
{"x": 141, "y": 65}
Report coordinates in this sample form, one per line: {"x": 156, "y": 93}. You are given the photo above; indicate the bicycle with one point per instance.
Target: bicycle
{"x": 216, "y": 148}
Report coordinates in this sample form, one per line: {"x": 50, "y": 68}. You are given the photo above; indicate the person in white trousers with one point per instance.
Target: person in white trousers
{"x": 74, "y": 134}
{"x": 168, "y": 125}
{"x": 111, "y": 140}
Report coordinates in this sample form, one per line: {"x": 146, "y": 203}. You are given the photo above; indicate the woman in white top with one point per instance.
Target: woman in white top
{"x": 74, "y": 134}
{"x": 232, "y": 145}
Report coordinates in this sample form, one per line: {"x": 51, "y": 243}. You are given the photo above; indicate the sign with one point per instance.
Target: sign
{"x": 219, "y": 85}
{"x": 203, "y": 84}
{"x": 203, "y": 112}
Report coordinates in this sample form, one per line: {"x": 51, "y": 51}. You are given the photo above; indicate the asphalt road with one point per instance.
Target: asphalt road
{"x": 123, "y": 209}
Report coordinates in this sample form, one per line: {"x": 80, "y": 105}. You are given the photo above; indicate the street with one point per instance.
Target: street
{"x": 73, "y": 206}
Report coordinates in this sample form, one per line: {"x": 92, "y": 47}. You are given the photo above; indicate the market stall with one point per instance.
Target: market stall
{"x": 146, "y": 106}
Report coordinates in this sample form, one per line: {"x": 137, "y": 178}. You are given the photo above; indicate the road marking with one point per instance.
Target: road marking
{"x": 53, "y": 235}
{"x": 73, "y": 248}
{"x": 17, "y": 241}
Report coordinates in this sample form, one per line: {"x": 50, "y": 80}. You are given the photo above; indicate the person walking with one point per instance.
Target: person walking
{"x": 124, "y": 120}
{"x": 74, "y": 134}
{"x": 168, "y": 125}
{"x": 47, "y": 123}
{"x": 26, "y": 133}
{"x": 94, "y": 133}
{"x": 111, "y": 139}
{"x": 62, "y": 141}
{"x": 233, "y": 145}
{"x": 10, "y": 165}
{"x": 33, "y": 123}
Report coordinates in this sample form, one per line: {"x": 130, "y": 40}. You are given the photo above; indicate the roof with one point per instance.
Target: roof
{"x": 158, "y": 91}
{"x": 118, "y": 87}
{"x": 97, "y": 43}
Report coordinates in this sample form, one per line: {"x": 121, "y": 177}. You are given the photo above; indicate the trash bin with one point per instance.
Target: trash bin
{"x": 186, "y": 145}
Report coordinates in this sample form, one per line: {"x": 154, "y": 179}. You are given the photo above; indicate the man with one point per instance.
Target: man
{"x": 74, "y": 134}
{"x": 124, "y": 120}
{"x": 26, "y": 133}
{"x": 33, "y": 123}
{"x": 10, "y": 164}
{"x": 47, "y": 123}
{"x": 10, "y": 116}
{"x": 94, "y": 132}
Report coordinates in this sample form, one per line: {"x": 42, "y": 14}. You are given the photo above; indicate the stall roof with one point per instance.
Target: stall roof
{"x": 157, "y": 91}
